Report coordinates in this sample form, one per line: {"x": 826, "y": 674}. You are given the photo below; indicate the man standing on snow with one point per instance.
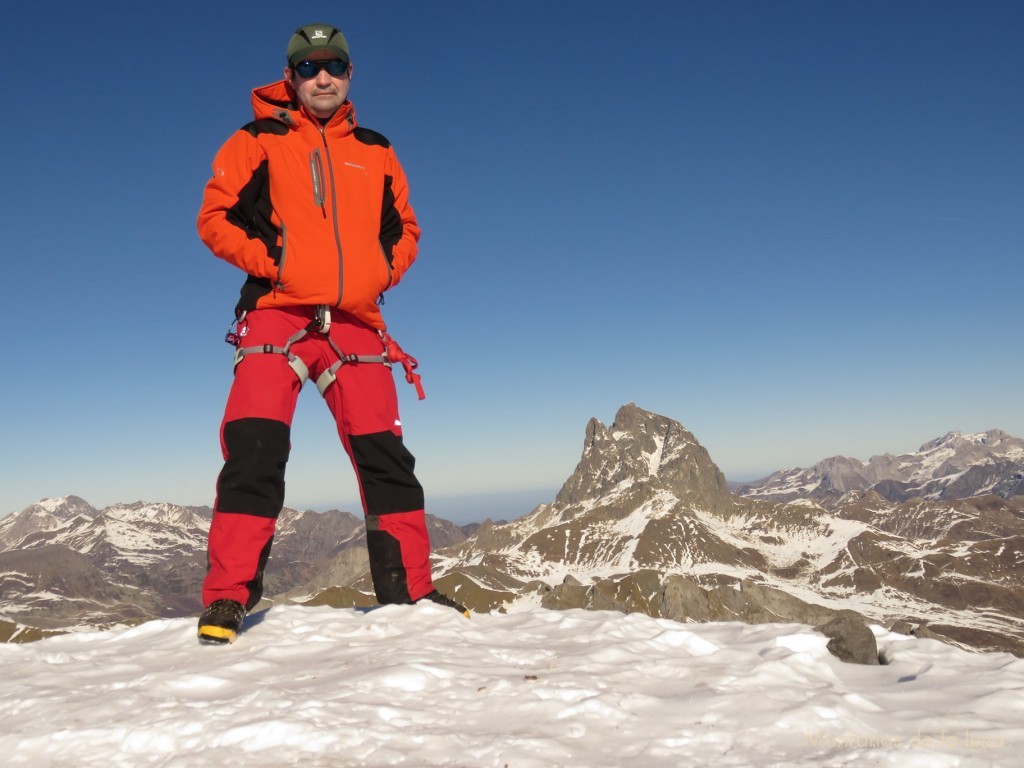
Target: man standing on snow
{"x": 315, "y": 210}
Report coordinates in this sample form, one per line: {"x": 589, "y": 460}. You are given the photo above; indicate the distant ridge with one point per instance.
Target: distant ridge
{"x": 954, "y": 466}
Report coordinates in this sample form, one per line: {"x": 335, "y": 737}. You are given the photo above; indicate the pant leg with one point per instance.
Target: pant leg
{"x": 255, "y": 441}
{"x": 364, "y": 403}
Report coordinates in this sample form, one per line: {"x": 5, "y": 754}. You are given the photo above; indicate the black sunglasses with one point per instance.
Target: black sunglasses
{"x": 308, "y": 69}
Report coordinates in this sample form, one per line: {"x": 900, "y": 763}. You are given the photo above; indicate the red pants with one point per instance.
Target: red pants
{"x": 256, "y": 439}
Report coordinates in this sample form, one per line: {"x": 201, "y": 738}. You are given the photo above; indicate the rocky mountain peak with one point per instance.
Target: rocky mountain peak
{"x": 646, "y": 449}
{"x": 41, "y": 517}
{"x": 957, "y": 440}
{"x": 64, "y": 508}
{"x": 950, "y": 438}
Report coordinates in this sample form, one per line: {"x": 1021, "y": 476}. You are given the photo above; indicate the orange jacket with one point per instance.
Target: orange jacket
{"x": 313, "y": 214}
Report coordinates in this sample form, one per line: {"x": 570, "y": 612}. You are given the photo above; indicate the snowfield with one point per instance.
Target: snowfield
{"x": 422, "y": 686}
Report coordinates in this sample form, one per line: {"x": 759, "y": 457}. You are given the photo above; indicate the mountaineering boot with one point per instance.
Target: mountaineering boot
{"x": 447, "y": 602}
{"x": 221, "y": 622}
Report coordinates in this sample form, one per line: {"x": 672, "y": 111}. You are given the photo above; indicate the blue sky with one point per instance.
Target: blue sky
{"x": 794, "y": 227}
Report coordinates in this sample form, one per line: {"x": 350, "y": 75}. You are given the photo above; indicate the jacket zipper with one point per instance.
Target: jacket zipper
{"x": 334, "y": 217}
{"x": 316, "y": 170}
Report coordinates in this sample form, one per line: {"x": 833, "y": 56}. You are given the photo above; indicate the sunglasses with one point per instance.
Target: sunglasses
{"x": 308, "y": 69}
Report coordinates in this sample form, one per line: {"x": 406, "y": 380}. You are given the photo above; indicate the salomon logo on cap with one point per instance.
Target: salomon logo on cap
{"x": 311, "y": 38}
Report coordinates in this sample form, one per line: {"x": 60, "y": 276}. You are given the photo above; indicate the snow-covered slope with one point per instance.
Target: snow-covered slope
{"x": 420, "y": 686}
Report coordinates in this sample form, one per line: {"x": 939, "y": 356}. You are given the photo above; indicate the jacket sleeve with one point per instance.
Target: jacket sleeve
{"x": 399, "y": 231}
{"x": 236, "y": 219}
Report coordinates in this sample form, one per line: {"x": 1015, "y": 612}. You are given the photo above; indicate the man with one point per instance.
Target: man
{"x": 315, "y": 209}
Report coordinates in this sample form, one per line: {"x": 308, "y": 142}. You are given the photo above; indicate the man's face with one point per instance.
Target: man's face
{"x": 321, "y": 94}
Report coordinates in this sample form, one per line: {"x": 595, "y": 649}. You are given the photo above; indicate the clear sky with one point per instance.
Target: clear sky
{"x": 794, "y": 227}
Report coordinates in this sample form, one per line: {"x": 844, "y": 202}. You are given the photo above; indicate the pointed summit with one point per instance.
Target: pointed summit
{"x": 643, "y": 449}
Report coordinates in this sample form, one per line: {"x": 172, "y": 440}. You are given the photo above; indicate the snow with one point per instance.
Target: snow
{"x": 52, "y": 505}
{"x": 655, "y": 458}
{"x": 421, "y": 686}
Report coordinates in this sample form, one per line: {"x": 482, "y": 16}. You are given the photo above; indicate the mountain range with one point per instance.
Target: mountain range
{"x": 955, "y": 466}
{"x": 928, "y": 542}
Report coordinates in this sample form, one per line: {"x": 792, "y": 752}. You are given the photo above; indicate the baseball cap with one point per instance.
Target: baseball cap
{"x": 316, "y": 37}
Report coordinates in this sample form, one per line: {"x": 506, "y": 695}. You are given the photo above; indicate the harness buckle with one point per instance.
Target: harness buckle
{"x": 321, "y": 322}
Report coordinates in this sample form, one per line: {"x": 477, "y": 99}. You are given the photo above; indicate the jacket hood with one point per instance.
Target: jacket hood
{"x": 277, "y": 102}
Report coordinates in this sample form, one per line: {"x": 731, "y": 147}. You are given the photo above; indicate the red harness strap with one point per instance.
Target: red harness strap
{"x": 396, "y": 354}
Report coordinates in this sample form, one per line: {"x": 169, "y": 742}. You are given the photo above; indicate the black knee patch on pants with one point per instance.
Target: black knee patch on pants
{"x": 386, "y": 567}
{"x": 386, "y": 473}
{"x": 252, "y": 480}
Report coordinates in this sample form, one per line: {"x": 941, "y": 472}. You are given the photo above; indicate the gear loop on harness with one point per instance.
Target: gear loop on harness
{"x": 236, "y": 330}
{"x": 396, "y": 354}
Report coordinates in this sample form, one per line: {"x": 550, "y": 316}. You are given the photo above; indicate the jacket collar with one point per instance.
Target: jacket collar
{"x": 277, "y": 102}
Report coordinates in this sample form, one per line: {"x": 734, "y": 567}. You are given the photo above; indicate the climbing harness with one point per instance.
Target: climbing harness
{"x": 321, "y": 324}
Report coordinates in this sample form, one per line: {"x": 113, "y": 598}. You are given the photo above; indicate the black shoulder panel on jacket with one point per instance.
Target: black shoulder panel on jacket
{"x": 266, "y": 125}
{"x": 366, "y": 136}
